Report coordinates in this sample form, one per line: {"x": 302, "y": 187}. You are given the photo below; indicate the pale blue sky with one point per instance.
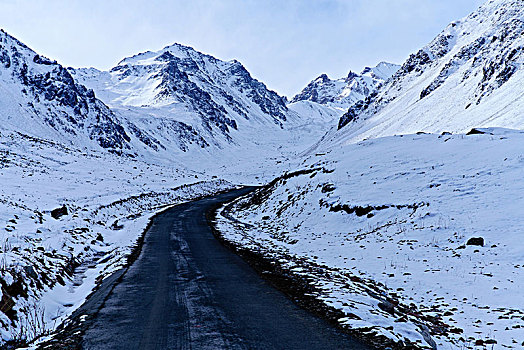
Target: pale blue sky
{"x": 284, "y": 43}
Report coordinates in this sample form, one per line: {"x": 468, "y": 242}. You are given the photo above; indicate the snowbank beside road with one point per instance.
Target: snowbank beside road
{"x": 69, "y": 219}
{"x": 380, "y": 229}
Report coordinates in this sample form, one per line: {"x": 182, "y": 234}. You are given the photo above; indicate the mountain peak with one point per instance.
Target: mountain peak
{"x": 382, "y": 71}
{"x": 344, "y": 92}
{"x": 175, "y": 50}
{"x": 211, "y": 97}
{"x": 323, "y": 78}
{"x": 46, "y": 100}
{"x": 351, "y": 75}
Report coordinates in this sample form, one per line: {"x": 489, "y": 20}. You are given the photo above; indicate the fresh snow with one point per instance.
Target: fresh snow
{"x": 116, "y": 162}
{"x": 429, "y": 195}
{"x": 469, "y": 76}
{"x": 109, "y": 201}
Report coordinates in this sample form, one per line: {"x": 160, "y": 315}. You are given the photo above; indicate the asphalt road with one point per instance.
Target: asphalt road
{"x": 187, "y": 291}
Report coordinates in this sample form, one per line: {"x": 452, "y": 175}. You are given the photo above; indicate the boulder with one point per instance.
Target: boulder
{"x": 479, "y": 241}
{"x": 59, "y": 212}
{"x": 387, "y": 307}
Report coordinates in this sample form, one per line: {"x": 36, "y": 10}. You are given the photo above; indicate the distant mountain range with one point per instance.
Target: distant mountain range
{"x": 380, "y": 229}
{"x": 178, "y": 99}
{"x": 172, "y": 100}
{"x": 345, "y": 92}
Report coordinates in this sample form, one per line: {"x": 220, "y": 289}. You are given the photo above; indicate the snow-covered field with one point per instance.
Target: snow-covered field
{"x": 48, "y": 266}
{"x": 380, "y": 230}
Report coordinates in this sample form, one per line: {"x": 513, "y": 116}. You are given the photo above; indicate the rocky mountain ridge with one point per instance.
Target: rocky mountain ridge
{"x": 40, "y": 97}
{"x": 344, "y": 92}
{"x": 178, "y": 89}
{"x": 462, "y": 79}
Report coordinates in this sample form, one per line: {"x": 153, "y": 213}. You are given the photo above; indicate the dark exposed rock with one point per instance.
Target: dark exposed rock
{"x": 116, "y": 226}
{"x": 361, "y": 211}
{"x": 59, "y": 212}
{"x": 57, "y": 99}
{"x": 268, "y": 101}
{"x": 475, "y": 132}
{"x": 175, "y": 82}
{"x": 354, "y": 111}
{"x": 145, "y": 138}
{"x": 5, "y": 59}
{"x": 328, "y": 188}
{"x": 462, "y": 56}
{"x": 415, "y": 62}
{"x": 387, "y": 307}
{"x": 30, "y": 272}
{"x": 43, "y": 60}
{"x": 477, "y": 241}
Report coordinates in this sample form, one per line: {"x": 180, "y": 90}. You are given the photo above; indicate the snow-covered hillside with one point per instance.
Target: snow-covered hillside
{"x": 411, "y": 240}
{"x": 416, "y": 239}
{"x": 469, "y": 76}
{"x": 40, "y": 98}
{"x": 69, "y": 218}
{"x": 382, "y": 230}
{"x": 344, "y": 92}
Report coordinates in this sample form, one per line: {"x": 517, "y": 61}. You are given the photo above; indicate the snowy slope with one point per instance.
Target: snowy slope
{"x": 39, "y": 97}
{"x": 209, "y": 114}
{"x": 50, "y": 264}
{"x": 380, "y": 230}
{"x": 415, "y": 238}
{"x": 470, "y": 75}
{"x": 344, "y": 92}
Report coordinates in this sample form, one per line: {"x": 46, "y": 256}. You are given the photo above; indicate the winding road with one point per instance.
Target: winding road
{"x": 187, "y": 291}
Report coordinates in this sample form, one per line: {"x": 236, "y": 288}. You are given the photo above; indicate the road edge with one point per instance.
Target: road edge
{"x": 296, "y": 287}
{"x": 69, "y": 334}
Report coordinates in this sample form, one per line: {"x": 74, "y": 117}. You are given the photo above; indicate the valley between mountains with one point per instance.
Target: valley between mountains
{"x": 390, "y": 201}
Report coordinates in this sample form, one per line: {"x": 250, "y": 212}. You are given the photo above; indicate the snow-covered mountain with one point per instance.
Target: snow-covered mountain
{"x": 180, "y": 99}
{"x": 470, "y": 75}
{"x": 344, "y": 92}
{"x": 380, "y": 229}
{"x": 40, "y": 98}
{"x": 176, "y": 124}
{"x": 175, "y": 101}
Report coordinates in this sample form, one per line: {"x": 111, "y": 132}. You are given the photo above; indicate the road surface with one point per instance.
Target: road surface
{"x": 187, "y": 291}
